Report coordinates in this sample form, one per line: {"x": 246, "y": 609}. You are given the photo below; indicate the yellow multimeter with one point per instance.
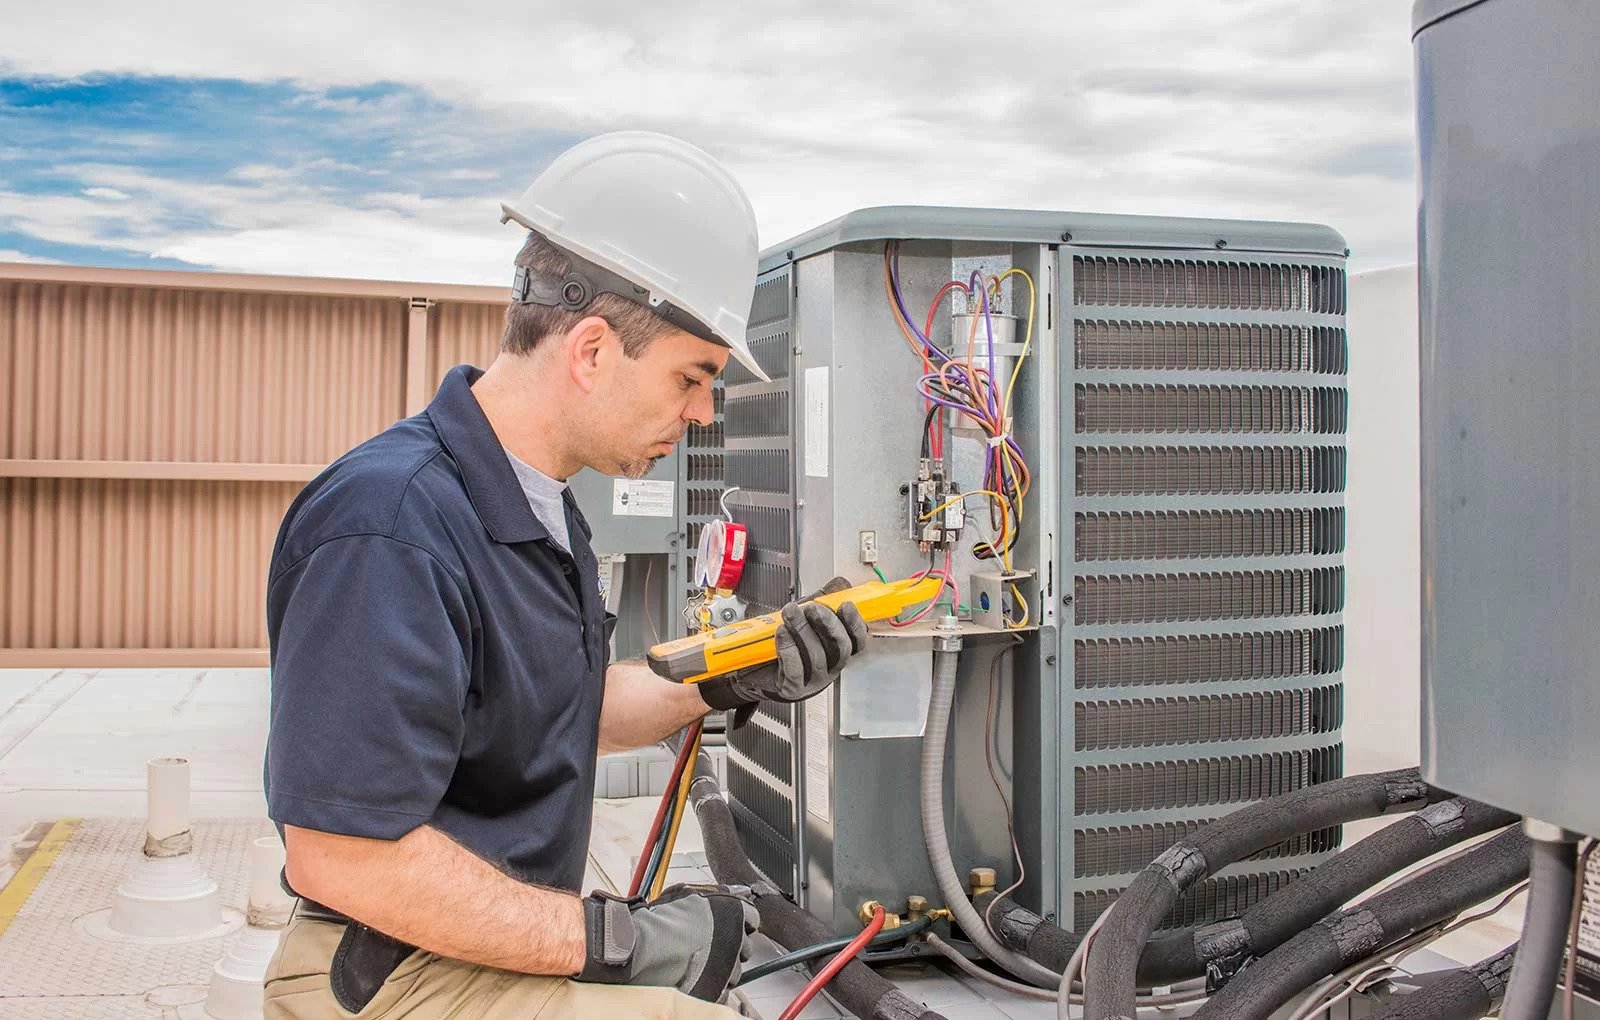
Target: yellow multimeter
{"x": 751, "y": 642}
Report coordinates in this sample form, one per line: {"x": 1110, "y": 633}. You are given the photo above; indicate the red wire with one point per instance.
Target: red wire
{"x": 668, "y": 795}
{"x": 834, "y": 966}
{"x": 944, "y": 582}
{"x": 936, "y": 434}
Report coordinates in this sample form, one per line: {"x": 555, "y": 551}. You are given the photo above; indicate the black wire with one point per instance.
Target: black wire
{"x": 927, "y": 429}
{"x": 802, "y": 955}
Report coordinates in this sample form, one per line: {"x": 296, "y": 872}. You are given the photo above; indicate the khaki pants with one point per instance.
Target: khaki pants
{"x": 427, "y": 987}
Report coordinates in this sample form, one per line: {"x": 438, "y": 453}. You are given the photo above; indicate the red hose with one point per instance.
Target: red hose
{"x": 667, "y": 797}
{"x": 834, "y": 966}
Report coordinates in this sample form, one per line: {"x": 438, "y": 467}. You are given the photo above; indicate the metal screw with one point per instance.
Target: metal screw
{"x": 1066, "y": 235}
{"x": 1221, "y": 243}
{"x": 1066, "y": 600}
{"x": 1049, "y": 660}
{"x": 1051, "y": 917}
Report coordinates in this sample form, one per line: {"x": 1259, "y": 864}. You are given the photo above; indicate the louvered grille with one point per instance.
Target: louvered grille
{"x": 1143, "y": 408}
{"x": 757, "y": 793}
{"x": 1198, "y": 658}
{"x": 766, "y": 587}
{"x": 1210, "y": 346}
{"x": 769, "y": 848}
{"x": 1210, "y": 899}
{"x": 1179, "y": 534}
{"x": 757, "y": 416}
{"x": 771, "y": 352}
{"x": 766, "y": 749}
{"x": 1228, "y": 470}
{"x": 1231, "y": 595}
{"x": 1215, "y": 718}
{"x": 1126, "y": 849}
{"x": 764, "y": 414}
{"x": 759, "y": 470}
{"x": 703, "y": 467}
{"x": 769, "y": 526}
{"x": 1198, "y": 782}
{"x": 1175, "y": 283}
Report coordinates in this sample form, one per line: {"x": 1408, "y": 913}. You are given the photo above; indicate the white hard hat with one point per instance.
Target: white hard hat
{"x": 657, "y": 221}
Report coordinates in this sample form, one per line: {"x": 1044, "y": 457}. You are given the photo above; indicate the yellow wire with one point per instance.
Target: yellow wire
{"x": 660, "y": 878}
{"x": 1016, "y": 593}
{"x": 1004, "y": 503}
{"x": 1027, "y": 343}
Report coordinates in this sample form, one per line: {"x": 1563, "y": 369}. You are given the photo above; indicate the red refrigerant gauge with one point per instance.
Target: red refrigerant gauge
{"x": 723, "y": 546}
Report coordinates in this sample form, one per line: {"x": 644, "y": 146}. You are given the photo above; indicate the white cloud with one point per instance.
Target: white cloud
{"x": 110, "y": 194}
{"x": 1254, "y": 108}
{"x": 12, "y": 255}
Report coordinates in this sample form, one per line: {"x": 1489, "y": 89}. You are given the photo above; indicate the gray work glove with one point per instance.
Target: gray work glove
{"x": 692, "y": 937}
{"x": 814, "y": 644}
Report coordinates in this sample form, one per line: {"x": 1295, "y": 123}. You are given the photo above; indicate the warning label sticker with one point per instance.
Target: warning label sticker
{"x": 819, "y": 756}
{"x": 636, "y": 498}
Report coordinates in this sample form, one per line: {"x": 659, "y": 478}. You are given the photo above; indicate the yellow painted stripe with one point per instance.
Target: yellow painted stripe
{"x": 33, "y": 870}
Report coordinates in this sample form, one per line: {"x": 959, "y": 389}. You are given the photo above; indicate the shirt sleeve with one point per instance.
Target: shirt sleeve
{"x": 372, "y": 645}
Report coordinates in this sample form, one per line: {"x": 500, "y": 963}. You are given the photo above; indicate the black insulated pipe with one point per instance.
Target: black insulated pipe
{"x": 1279, "y": 918}
{"x": 1180, "y": 955}
{"x": 857, "y": 987}
{"x": 1470, "y": 993}
{"x": 1110, "y": 987}
{"x": 1544, "y": 931}
{"x": 1353, "y": 935}
{"x": 1023, "y": 931}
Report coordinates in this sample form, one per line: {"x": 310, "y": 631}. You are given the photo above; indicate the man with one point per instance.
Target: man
{"x": 440, "y": 684}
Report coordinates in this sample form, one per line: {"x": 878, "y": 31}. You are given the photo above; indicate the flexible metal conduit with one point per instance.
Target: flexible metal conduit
{"x": 946, "y": 656}
{"x": 1544, "y": 928}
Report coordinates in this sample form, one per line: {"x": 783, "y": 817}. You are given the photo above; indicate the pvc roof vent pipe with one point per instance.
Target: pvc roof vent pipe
{"x": 237, "y": 978}
{"x": 167, "y": 894}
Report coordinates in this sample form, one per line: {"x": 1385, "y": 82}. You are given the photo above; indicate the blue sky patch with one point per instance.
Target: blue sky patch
{"x": 110, "y": 170}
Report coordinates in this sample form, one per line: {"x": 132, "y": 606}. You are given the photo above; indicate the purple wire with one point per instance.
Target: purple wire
{"x": 989, "y": 391}
{"x": 900, "y": 303}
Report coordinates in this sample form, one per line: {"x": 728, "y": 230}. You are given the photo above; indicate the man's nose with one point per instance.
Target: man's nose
{"x": 700, "y": 409}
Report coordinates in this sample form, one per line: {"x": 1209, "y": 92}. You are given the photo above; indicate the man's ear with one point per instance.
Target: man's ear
{"x": 585, "y": 345}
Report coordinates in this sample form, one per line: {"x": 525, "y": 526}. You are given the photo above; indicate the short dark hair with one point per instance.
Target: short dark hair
{"x": 527, "y": 325}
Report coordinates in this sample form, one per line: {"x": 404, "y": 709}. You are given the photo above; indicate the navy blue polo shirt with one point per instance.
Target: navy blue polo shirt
{"x": 436, "y": 657}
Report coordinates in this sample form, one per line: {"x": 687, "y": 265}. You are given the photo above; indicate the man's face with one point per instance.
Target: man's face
{"x": 647, "y": 404}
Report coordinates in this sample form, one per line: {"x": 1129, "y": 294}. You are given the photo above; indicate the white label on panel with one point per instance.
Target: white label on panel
{"x": 816, "y": 397}
{"x": 631, "y": 498}
{"x": 819, "y": 754}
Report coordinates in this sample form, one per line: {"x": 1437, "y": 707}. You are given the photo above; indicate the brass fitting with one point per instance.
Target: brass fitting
{"x": 916, "y": 906}
{"x": 864, "y": 914}
{"x": 981, "y": 880}
{"x": 942, "y": 914}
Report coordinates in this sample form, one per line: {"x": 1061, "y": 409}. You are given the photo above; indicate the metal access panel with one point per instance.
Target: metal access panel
{"x": 647, "y": 522}
{"x": 1183, "y": 415}
{"x": 1507, "y": 95}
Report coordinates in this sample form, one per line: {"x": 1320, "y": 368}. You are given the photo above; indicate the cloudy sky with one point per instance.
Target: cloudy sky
{"x": 375, "y": 140}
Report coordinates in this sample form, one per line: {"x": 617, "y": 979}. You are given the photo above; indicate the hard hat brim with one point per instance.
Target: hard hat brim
{"x": 659, "y": 301}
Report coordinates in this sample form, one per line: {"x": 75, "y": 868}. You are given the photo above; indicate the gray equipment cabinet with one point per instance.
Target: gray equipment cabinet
{"x": 1183, "y": 416}
{"x": 1509, "y": 135}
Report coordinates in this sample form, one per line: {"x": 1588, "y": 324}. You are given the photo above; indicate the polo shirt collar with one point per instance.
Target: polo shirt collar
{"x": 492, "y": 486}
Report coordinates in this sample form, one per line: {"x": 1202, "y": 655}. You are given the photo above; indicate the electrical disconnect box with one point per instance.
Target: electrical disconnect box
{"x": 1120, "y": 443}
{"x": 1509, "y": 372}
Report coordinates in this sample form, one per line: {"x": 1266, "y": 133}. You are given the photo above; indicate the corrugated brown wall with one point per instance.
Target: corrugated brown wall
{"x": 154, "y": 426}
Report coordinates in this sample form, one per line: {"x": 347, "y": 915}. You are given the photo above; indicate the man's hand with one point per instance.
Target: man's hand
{"x": 814, "y": 644}
{"x": 692, "y": 938}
